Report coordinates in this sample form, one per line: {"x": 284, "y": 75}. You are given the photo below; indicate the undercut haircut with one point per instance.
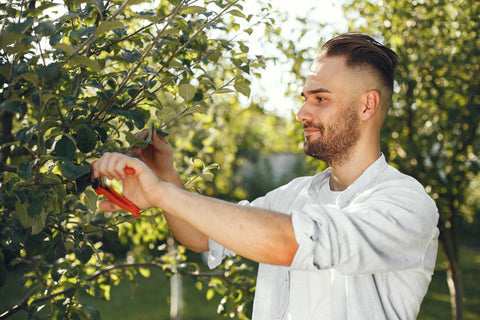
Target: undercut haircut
{"x": 361, "y": 50}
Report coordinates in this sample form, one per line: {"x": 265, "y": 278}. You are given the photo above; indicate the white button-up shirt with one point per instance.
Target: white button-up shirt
{"x": 370, "y": 255}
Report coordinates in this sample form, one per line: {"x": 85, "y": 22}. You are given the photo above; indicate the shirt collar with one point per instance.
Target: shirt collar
{"x": 365, "y": 179}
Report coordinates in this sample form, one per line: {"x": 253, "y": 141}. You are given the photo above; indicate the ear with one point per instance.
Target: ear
{"x": 371, "y": 104}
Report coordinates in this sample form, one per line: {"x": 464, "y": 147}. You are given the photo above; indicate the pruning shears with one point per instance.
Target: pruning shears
{"x": 101, "y": 188}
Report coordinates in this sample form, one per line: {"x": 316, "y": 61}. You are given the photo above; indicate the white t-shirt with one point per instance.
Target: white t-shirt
{"x": 376, "y": 244}
{"x": 306, "y": 284}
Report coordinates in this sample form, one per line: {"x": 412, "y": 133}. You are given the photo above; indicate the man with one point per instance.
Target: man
{"x": 356, "y": 241}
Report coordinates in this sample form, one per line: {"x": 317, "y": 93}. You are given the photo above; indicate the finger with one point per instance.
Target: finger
{"x": 107, "y": 165}
{"x": 143, "y": 134}
{"x": 107, "y": 205}
{"x": 158, "y": 141}
{"x": 119, "y": 164}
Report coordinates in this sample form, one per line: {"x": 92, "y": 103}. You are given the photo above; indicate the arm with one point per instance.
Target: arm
{"x": 390, "y": 228}
{"x": 257, "y": 234}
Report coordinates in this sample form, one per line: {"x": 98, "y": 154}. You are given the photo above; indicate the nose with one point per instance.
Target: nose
{"x": 304, "y": 114}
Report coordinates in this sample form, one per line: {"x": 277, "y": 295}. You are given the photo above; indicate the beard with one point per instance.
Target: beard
{"x": 337, "y": 139}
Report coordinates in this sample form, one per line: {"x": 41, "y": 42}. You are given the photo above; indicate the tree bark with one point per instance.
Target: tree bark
{"x": 455, "y": 286}
{"x": 450, "y": 247}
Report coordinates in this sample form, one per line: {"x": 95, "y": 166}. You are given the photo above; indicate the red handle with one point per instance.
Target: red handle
{"x": 118, "y": 199}
{"x": 129, "y": 170}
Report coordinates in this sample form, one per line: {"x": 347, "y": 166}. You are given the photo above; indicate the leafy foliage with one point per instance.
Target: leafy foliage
{"x": 78, "y": 80}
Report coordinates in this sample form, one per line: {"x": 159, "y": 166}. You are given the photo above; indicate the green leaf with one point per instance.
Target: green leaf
{"x": 134, "y": 141}
{"x": 85, "y": 62}
{"x": 65, "y": 48}
{"x": 50, "y": 74}
{"x": 9, "y": 38}
{"x": 72, "y": 171}
{"x": 169, "y": 31}
{"x": 98, "y": 4}
{"x": 107, "y": 26}
{"x": 39, "y": 222}
{"x": 210, "y": 294}
{"x": 22, "y": 214}
{"x": 162, "y": 133}
{"x": 237, "y": 13}
{"x": 131, "y": 56}
{"x": 90, "y": 199}
{"x": 77, "y": 34}
{"x": 186, "y": 91}
{"x": 25, "y": 169}
{"x": 207, "y": 176}
{"x": 55, "y": 275}
{"x": 86, "y": 139}
{"x": 65, "y": 147}
{"x": 30, "y": 77}
{"x": 192, "y": 10}
{"x": 243, "y": 47}
{"x": 196, "y": 109}
{"x": 145, "y": 272}
{"x": 243, "y": 88}
{"x": 224, "y": 90}
{"x": 11, "y": 106}
{"x": 84, "y": 253}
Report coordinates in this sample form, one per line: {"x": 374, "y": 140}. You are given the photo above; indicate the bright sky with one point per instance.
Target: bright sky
{"x": 273, "y": 83}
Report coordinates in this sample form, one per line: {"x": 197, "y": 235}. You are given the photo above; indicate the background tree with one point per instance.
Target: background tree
{"x": 79, "y": 80}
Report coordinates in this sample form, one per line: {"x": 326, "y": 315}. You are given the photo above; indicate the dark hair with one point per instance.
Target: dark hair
{"x": 363, "y": 50}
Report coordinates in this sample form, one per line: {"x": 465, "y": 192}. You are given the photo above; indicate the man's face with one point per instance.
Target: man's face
{"x": 330, "y": 113}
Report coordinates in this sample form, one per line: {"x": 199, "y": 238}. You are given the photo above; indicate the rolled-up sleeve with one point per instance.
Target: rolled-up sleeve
{"x": 217, "y": 252}
{"x": 388, "y": 231}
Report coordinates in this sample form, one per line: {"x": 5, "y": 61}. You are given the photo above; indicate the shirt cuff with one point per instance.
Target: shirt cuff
{"x": 303, "y": 229}
{"x": 216, "y": 253}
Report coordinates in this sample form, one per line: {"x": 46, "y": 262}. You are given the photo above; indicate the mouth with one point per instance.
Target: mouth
{"x": 309, "y": 129}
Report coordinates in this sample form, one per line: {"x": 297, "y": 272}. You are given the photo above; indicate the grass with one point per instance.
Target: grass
{"x": 149, "y": 298}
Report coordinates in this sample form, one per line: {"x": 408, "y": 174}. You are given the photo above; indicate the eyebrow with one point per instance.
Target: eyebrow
{"x": 319, "y": 90}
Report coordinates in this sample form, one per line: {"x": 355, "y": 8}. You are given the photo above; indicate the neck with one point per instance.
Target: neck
{"x": 343, "y": 175}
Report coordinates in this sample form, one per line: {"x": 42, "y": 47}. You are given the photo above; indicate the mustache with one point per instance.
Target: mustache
{"x": 311, "y": 125}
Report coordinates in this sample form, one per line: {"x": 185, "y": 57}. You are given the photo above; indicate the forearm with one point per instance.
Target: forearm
{"x": 257, "y": 234}
{"x": 183, "y": 231}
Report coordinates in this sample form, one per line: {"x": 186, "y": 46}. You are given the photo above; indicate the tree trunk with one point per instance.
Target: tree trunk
{"x": 176, "y": 294}
{"x": 455, "y": 286}
{"x": 450, "y": 247}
